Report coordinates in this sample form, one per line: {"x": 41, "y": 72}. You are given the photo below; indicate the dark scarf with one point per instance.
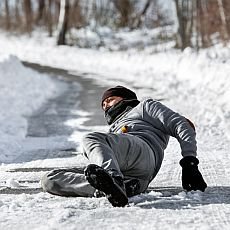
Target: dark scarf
{"x": 115, "y": 111}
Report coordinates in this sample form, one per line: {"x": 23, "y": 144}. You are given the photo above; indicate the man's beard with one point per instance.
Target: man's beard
{"x": 115, "y": 111}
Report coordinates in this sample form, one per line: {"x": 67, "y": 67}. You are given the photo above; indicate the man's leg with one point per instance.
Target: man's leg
{"x": 67, "y": 182}
{"x": 129, "y": 156}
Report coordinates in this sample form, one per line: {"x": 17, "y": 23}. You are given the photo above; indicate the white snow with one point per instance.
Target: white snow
{"x": 196, "y": 85}
{"x": 22, "y": 91}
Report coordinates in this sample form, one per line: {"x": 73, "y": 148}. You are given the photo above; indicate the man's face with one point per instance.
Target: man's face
{"x": 110, "y": 101}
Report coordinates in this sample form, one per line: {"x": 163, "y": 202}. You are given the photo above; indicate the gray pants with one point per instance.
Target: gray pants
{"x": 129, "y": 155}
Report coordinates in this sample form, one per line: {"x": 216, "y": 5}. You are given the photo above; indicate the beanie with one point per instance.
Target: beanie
{"x": 119, "y": 91}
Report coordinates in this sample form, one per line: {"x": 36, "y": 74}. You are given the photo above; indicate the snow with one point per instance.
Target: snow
{"x": 22, "y": 92}
{"x": 196, "y": 85}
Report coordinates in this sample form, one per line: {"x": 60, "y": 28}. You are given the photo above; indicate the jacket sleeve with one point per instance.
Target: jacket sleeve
{"x": 171, "y": 123}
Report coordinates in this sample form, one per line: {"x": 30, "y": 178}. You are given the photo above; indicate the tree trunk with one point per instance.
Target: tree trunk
{"x": 197, "y": 24}
{"x": 49, "y": 18}
{"x": 7, "y": 10}
{"x": 223, "y": 19}
{"x": 180, "y": 25}
{"x": 63, "y": 22}
{"x": 56, "y": 11}
{"x": 190, "y": 21}
{"x": 125, "y": 9}
{"x": 17, "y": 14}
{"x": 204, "y": 25}
{"x": 28, "y": 15}
{"x": 76, "y": 18}
{"x": 227, "y": 13}
{"x": 184, "y": 16}
{"x": 41, "y": 11}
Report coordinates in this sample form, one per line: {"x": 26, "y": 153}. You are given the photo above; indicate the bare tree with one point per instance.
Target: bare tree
{"x": 185, "y": 23}
{"x": 28, "y": 15}
{"x": 41, "y": 11}
{"x": 201, "y": 23}
{"x": 76, "y": 18}
{"x": 206, "y": 13}
{"x": 7, "y": 11}
{"x": 17, "y": 13}
{"x": 49, "y": 18}
{"x": 63, "y": 22}
{"x": 56, "y": 11}
{"x": 223, "y": 19}
{"x": 226, "y": 5}
{"x": 125, "y": 9}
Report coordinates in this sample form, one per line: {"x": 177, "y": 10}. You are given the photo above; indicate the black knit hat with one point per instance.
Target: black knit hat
{"x": 119, "y": 91}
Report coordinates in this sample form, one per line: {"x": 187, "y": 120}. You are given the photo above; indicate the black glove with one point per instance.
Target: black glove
{"x": 191, "y": 176}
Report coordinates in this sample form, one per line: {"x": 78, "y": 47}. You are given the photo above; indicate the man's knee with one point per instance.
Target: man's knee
{"x": 90, "y": 140}
{"x": 48, "y": 185}
{"x": 93, "y": 136}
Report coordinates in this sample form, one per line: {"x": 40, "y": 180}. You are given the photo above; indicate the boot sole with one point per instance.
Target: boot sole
{"x": 101, "y": 180}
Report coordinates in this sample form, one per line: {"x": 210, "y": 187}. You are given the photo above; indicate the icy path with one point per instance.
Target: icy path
{"x": 166, "y": 206}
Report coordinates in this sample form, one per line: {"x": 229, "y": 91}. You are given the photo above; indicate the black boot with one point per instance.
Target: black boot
{"x": 112, "y": 186}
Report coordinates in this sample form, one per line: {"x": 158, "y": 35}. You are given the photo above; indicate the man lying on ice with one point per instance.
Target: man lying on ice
{"x": 125, "y": 160}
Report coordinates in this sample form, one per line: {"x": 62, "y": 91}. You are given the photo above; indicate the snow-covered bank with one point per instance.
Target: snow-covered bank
{"x": 22, "y": 91}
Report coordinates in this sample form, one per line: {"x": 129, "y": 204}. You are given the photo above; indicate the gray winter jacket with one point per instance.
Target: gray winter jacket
{"x": 155, "y": 123}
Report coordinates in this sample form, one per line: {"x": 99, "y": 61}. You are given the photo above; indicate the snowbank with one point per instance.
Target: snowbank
{"x": 22, "y": 91}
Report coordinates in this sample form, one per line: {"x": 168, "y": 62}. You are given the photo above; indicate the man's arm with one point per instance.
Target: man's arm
{"x": 173, "y": 124}
{"x": 183, "y": 130}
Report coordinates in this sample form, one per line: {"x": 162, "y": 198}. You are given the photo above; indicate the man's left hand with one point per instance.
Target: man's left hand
{"x": 191, "y": 176}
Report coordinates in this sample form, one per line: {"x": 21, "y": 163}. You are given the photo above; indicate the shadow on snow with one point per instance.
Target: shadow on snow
{"x": 176, "y": 198}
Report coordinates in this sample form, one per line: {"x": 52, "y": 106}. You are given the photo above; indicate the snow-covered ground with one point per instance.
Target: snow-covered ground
{"x": 196, "y": 85}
